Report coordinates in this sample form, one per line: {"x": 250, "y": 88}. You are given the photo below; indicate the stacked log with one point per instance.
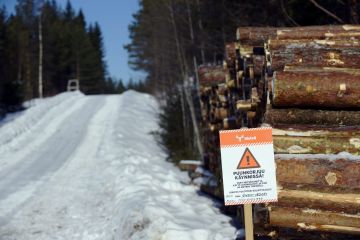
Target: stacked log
{"x": 315, "y": 89}
{"x": 318, "y": 192}
{"x": 314, "y": 109}
{"x": 217, "y": 113}
{"x": 305, "y": 83}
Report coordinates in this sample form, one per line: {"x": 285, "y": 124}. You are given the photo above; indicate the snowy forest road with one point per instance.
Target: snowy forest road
{"x": 89, "y": 168}
{"x": 42, "y": 162}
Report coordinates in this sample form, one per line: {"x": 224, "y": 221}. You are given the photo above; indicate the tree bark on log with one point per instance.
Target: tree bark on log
{"x": 316, "y": 89}
{"x": 354, "y": 71}
{"x": 246, "y": 50}
{"x": 289, "y": 116}
{"x": 320, "y": 32}
{"x": 211, "y": 75}
{"x": 314, "y": 53}
{"x": 338, "y": 202}
{"x": 314, "y": 220}
{"x": 257, "y": 36}
{"x": 319, "y": 171}
{"x": 315, "y": 142}
{"x": 230, "y": 50}
{"x": 275, "y": 45}
{"x": 259, "y": 64}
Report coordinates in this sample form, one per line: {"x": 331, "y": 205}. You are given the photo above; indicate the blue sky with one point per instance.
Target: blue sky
{"x": 114, "y": 16}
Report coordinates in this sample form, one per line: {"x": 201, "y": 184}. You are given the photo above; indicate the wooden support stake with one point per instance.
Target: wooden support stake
{"x": 249, "y": 228}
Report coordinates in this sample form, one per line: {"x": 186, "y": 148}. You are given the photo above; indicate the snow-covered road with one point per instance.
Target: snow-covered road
{"x": 88, "y": 167}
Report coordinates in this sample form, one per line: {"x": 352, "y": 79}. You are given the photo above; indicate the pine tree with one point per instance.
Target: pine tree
{"x": 120, "y": 88}
{"x": 27, "y": 46}
{"x": 2, "y": 53}
{"x": 99, "y": 71}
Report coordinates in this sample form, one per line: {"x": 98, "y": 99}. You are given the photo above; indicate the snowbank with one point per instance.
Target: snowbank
{"x": 23, "y": 132}
{"x": 156, "y": 205}
{"x": 117, "y": 185}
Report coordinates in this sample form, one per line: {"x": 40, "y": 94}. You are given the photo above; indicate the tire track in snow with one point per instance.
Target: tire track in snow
{"x": 29, "y": 173}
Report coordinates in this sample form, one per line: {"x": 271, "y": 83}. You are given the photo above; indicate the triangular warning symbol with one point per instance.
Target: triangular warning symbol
{"x": 248, "y": 160}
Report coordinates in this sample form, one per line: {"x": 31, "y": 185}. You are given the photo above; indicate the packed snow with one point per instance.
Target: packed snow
{"x": 89, "y": 167}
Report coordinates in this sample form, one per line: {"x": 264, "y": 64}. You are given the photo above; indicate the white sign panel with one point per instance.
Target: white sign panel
{"x": 248, "y": 166}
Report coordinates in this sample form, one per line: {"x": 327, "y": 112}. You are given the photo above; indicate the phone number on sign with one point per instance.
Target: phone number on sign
{"x": 254, "y": 195}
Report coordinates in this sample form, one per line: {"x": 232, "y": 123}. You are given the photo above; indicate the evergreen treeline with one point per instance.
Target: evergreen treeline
{"x": 71, "y": 49}
{"x": 170, "y": 37}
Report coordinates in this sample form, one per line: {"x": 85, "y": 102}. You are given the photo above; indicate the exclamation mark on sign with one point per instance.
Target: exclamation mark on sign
{"x": 248, "y": 160}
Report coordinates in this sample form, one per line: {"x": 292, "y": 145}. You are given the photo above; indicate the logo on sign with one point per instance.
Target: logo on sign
{"x": 245, "y": 138}
{"x": 248, "y": 160}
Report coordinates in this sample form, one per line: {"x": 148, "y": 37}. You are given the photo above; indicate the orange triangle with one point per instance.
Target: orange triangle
{"x": 248, "y": 160}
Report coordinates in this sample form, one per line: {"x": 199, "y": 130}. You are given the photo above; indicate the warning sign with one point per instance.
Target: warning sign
{"x": 248, "y": 160}
{"x": 248, "y": 165}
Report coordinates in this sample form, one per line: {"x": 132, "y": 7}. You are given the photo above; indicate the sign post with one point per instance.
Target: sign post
{"x": 249, "y": 228}
{"x": 248, "y": 167}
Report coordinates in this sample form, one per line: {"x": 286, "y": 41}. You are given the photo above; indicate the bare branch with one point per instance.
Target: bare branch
{"x": 353, "y": 11}
{"x": 283, "y": 8}
{"x": 326, "y": 11}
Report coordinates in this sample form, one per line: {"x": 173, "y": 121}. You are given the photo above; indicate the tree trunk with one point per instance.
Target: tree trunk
{"x": 211, "y": 75}
{"x": 188, "y": 95}
{"x": 40, "y": 84}
{"x": 316, "y": 89}
{"x": 314, "y": 53}
{"x": 289, "y": 116}
{"x": 330, "y": 141}
{"x": 320, "y": 32}
{"x": 257, "y": 36}
{"x": 259, "y": 64}
{"x": 319, "y": 171}
{"x": 314, "y": 220}
{"x": 338, "y": 202}
{"x": 201, "y": 30}
{"x": 230, "y": 51}
{"x": 354, "y": 16}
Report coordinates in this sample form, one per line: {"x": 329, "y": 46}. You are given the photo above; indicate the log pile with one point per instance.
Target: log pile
{"x": 315, "y": 109}
{"x": 305, "y": 83}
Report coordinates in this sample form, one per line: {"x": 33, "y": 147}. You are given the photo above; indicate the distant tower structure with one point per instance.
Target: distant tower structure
{"x": 73, "y": 85}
